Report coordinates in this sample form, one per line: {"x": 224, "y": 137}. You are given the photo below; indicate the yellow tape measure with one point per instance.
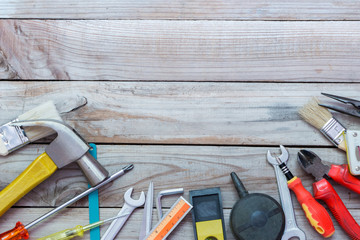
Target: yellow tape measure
{"x": 172, "y": 218}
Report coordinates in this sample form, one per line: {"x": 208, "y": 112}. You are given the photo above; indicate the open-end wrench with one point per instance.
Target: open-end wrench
{"x": 291, "y": 229}
{"x": 129, "y": 206}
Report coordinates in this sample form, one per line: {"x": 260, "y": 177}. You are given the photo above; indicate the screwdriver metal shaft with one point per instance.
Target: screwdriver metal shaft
{"x": 20, "y": 231}
{"x": 78, "y": 197}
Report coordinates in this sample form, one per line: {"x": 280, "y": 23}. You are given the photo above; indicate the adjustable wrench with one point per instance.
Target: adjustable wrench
{"x": 129, "y": 206}
{"x": 291, "y": 229}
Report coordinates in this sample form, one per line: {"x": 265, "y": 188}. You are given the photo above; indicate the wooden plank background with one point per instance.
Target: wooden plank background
{"x": 180, "y": 50}
{"x": 188, "y": 91}
{"x": 182, "y": 9}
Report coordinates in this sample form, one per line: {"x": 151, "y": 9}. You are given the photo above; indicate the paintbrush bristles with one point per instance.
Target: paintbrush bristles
{"x": 314, "y": 114}
{"x": 44, "y": 111}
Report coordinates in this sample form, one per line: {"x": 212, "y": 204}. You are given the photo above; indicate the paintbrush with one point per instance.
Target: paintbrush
{"x": 320, "y": 118}
{"x": 14, "y": 137}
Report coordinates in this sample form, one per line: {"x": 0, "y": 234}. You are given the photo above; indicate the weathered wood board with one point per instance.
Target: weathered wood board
{"x": 181, "y": 113}
{"x": 146, "y": 50}
{"x": 183, "y": 9}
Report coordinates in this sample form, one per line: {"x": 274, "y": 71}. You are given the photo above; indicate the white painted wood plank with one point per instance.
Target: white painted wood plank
{"x": 181, "y": 113}
{"x": 183, "y": 9}
{"x": 65, "y": 219}
{"x": 190, "y": 167}
{"x": 320, "y": 51}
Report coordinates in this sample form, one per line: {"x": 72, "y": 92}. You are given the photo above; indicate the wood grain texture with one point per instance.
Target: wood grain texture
{"x": 6, "y": 70}
{"x": 187, "y": 91}
{"x": 182, "y": 50}
{"x": 183, "y": 9}
{"x": 180, "y": 113}
{"x": 65, "y": 219}
{"x": 190, "y": 167}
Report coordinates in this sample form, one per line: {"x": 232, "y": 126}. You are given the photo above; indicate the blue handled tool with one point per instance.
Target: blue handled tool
{"x": 93, "y": 197}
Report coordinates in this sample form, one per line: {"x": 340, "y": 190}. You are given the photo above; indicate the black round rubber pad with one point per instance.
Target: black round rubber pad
{"x": 256, "y": 217}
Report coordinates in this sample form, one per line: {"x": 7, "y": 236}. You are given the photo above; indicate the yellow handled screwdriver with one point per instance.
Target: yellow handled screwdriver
{"x": 77, "y": 231}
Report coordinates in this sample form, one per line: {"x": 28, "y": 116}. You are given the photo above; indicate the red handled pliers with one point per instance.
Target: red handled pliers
{"x": 323, "y": 190}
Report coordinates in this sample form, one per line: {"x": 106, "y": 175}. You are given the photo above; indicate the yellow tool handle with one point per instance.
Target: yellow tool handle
{"x": 39, "y": 170}
{"x": 65, "y": 234}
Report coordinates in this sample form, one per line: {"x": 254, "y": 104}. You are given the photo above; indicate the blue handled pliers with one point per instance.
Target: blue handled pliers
{"x": 353, "y": 111}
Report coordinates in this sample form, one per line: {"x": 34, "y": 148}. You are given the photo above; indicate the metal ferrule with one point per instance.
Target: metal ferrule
{"x": 334, "y": 130}
{"x": 14, "y": 137}
{"x": 284, "y": 169}
{"x": 93, "y": 170}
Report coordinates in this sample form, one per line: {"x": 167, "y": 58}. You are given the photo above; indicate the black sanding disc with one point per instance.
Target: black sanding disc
{"x": 257, "y": 217}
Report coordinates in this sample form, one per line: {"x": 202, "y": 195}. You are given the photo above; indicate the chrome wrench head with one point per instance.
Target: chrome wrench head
{"x": 291, "y": 233}
{"x": 128, "y": 207}
{"x": 282, "y": 158}
{"x": 134, "y": 202}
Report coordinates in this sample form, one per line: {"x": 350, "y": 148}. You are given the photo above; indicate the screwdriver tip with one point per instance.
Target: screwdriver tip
{"x": 128, "y": 167}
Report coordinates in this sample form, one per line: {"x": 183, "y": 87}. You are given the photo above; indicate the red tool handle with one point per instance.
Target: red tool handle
{"x": 315, "y": 213}
{"x": 17, "y": 233}
{"x": 341, "y": 175}
{"x": 324, "y": 191}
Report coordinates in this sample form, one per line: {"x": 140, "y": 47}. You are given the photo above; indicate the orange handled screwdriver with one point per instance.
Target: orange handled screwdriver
{"x": 18, "y": 232}
{"x": 21, "y": 232}
{"x": 315, "y": 213}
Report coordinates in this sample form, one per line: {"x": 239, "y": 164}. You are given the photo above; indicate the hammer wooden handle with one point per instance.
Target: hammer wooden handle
{"x": 39, "y": 170}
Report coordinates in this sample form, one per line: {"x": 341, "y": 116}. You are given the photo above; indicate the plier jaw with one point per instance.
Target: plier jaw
{"x": 312, "y": 164}
{"x": 353, "y": 111}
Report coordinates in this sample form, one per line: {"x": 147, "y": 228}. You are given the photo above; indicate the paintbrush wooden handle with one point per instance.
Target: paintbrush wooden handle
{"x": 342, "y": 146}
{"x": 39, "y": 170}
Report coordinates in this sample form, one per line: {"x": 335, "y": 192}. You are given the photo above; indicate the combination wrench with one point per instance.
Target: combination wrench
{"x": 291, "y": 229}
{"x": 129, "y": 206}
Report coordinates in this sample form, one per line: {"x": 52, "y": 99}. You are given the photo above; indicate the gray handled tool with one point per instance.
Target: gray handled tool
{"x": 291, "y": 229}
{"x": 129, "y": 206}
{"x": 147, "y": 216}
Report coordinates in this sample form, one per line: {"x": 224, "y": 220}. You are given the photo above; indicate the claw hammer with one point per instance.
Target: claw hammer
{"x": 66, "y": 148}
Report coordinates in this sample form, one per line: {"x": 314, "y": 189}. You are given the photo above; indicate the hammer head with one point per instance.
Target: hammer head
{"x": 69, "y": 147}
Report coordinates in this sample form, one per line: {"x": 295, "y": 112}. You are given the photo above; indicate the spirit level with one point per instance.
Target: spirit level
{"x": 352, "y": 139}
{"x": 169, "y": 222}
{"x": 207, "y": 214}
